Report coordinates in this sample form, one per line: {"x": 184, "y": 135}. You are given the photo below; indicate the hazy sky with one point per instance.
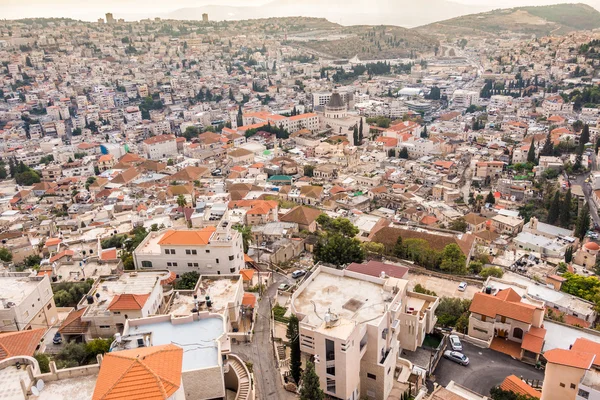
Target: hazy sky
{"x": 134, "y": 9}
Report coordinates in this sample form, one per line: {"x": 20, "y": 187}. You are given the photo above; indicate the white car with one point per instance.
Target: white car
{"x": 298, "y": 273}
{"x": 455, "y": 343}
{"x": 462, "y": 286}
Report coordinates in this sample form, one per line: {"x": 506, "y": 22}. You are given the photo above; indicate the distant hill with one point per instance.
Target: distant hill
{"x": 345, "y": 12}
{"x": 540, "y": 21}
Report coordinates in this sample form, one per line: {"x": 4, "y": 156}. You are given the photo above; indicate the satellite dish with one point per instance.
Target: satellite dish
{"x": 35, "y": 391}
{"x": 40, "y": 385}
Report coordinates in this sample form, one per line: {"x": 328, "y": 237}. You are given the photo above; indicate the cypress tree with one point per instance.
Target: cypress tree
{"x": 531, "y": 152}
{"x": 293, "y": 335}
{"x": 569, "y": 254}
{"x": 311, "y": 388}
{"x": 585, "y": 134}
{"x": 490, "y": 198}
{"x": 403, "y": 153}
{"x": 548, "y": 148}
{"x": 583, "y": 222}
{"x": 554, "y": 211}
{"x": 565, "y": 210}
{"x": 355, "y": 136}
{"x": 360, "y": 131}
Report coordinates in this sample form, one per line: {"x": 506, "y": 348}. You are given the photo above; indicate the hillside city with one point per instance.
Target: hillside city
{"x": 287, "y": 208}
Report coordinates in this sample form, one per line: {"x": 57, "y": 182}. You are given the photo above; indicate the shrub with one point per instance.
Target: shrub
{"x": 496, "y": 272}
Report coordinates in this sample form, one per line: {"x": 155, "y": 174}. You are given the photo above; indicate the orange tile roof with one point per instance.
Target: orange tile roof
{"x": 192, "y": 237}
{"x": 73, "y": 324}
{"x": 534, "y": 340}
{"x": 52, "y": 242}
{"x": 491, "y": 306}
{"x": 508, "y": 295}
{"x": 570, "y": 358}
{"x": 127, "y": 301}
{"x": 247, "y": 258}
{"x": 249, "y": 300}
{"x": 588, "y": 346}
{"x": 60, "y": 255}
{"x": 516, "y": 385}
{"x": 22, "y": 343}
{"x": 109, "y": 254}
{"x": 170, "y": 279}
{"x": 145, "y": 373}
{"x": 247, "y": 274}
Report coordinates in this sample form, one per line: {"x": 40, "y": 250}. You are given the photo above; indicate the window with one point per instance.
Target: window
{"x": 194, "y": 252}
{"x": 190, "y": 264}
{"x": 146, "y": 264}
{"x": 371, "y": 376}
{"x": 104, "y": 326}
{"x": 232, "y": 270}
{"x": 196, "y": 265}
{"x": 188, "y": 251}
{"x": 167, "y": 251}
{"x": 217, "y": 260}
{"x": 169, "y": 264}
{"x": 583, "y": 393}
{"x": 231, "y": 258}
{"x": 117, "y": 313}
{"x": 174, "y": 264}
{"x": 207, "y": 251}
{"x": 49, "y": 306}
{"x": 572, "y": 386}
{"x": 562, "y": 384}
{"x": 483, "y": 317}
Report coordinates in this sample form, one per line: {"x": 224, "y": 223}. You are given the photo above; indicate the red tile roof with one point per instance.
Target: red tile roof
{"x": 492, "y": 306}
{"x": 22, "y": 343}
{"x": 514, "y": 384}
{"x": 128, "y": 301}
{"x": 588, "y": 346}
{"x": 140, "y": 374}
{"x": 187, "y": 237}
{"x": 249, "y": 300}
{"x": 73, "y": 325}
{"x": 570, "y": 358}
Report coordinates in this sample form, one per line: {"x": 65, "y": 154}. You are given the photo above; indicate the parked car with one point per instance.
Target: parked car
{"x": 455, "y": 343}
{"x": 462, "y": 286}
{"x": 298, "y": 273}
{"x": 457, "y": 357}
{"x": 57, "y": 338}
{"x": 284, "y": 286}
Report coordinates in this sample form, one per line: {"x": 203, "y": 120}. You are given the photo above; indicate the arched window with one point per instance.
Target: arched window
{"x": 518, "y": 333}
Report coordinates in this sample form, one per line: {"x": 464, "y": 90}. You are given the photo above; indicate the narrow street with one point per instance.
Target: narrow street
{"x": 587, "y": 190}
{"x": 260, "y": 351}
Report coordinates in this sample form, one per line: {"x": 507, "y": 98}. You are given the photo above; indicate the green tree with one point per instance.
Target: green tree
{"x": 246, "y": 232}
{"x": 582, "y": 225}
{"x": 585, "y": 134}
{"x": 311, "y": 387}
{"x": 450, "y": 309}
{"x": 309, "y": 170}
{"x": 5, "y": 255}
{"x": 459, "y": 225}
{"x": 181, "y": 201}
{"x": 453, "y": 260}
{"x": 43, "y": 361}
{"x": 565, "y": 210}
{"x": 569, "y": 254}
{"x": 360, "y": 131}
{"x": 496, "y": 272}
{"x": 421, "y": 289}
{"x": 548, "y": 148}
{"x": 293, "y": 336}
{"x": 72, "y": 355}
{"x": 337, "y": 225}
{"x": 191, "y": 132}
{"x": 403, "y": 153}
{"x": 97, "y": 346}
{"x": 338, "y": 249}
{"x": 355, "y": 138}
{"x": 187, "y": 281}
{"x": 554, "y": 210}
{"x": 32, "y": 260}
{"x": 531, "y": 152}
{"x": 490, "y": 199}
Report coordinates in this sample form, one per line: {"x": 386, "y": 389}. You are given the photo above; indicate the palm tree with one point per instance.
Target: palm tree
{"x": 181, "y": 201}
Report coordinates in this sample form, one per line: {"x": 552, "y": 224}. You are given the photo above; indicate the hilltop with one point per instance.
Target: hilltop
{"x": 540, "y": 21}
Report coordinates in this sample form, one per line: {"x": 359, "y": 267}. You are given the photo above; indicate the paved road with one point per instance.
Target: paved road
{"x": 587, "y": 190}
{"x": 260, "y": 352}
{"x": 487, "y": 369}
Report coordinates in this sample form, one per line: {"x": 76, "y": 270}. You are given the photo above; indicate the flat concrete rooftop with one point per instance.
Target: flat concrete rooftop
{"x": 15, "y": 289}
{"x": 79, "y": 388}
{"x": 10, "y": 388}
{"x": 351, "y": 299}
{"x": 197, "y": 338}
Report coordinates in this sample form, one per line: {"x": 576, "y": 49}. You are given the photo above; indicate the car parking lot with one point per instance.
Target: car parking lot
{"x": 486, "y": 369}
{"x": 442, "y": 287}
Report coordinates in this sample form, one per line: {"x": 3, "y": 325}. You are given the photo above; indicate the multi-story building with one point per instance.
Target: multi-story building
{"x": 158, "y": 147}
{"x": 351, "y": 324}
{"x": 114, "y": 299}
{"x": 210, "y": 250}
{"x": 465, "y": 98}
{"x": 26, "y": 302}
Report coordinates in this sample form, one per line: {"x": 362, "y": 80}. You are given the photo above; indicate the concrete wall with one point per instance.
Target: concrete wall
{"x": 558, "y": 380}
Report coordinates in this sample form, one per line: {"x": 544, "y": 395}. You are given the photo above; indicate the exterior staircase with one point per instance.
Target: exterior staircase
{"x": 245, "y": 390}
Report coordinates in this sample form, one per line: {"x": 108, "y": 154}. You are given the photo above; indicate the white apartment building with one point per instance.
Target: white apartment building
{"x": 115, "y": 299}
{"x": 133, "y": 114}
{"x": 210, "y": 250}
{"x": 26, "y": 302}
{"x": 465, "y": 98}
{"x": 349, "y": 319}
{"x": 159, "y": 147}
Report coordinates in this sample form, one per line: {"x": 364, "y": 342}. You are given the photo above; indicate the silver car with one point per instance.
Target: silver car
{"x": 457, "y": 357}
{"x": 455, "y": 343}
